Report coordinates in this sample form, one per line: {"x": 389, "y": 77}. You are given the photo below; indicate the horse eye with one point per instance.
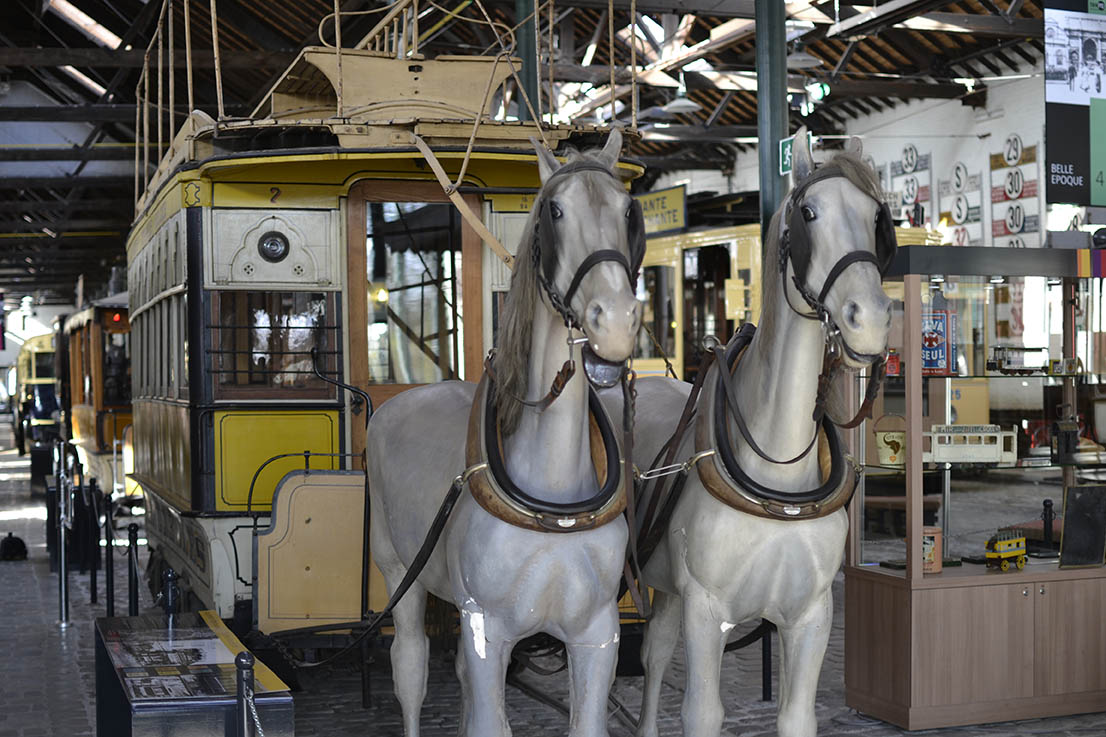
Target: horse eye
{"x": 554, "y": 211}
{"x": 808, "y": 213}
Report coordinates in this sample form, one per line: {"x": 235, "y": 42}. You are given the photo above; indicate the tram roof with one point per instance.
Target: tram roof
{"x": 69, "y": 184}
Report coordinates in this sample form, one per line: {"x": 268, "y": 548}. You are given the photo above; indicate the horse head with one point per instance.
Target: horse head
{"x": 839, "y": 240}
{"x": 590, "y": 240}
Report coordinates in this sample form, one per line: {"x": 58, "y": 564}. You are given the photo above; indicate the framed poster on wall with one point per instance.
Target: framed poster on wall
{"x": 1075, "y": 101}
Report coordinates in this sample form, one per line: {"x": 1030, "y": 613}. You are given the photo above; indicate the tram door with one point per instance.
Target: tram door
{"x": 706, "y": 270}
{"x": 410, "y": 255}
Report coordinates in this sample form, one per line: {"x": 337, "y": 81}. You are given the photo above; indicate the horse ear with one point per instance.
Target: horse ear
{"x": 855, "y": 146}
{"x": 547, "y": 162}
{"x": 612, "y": 149}
{"x": 803, "y": 163}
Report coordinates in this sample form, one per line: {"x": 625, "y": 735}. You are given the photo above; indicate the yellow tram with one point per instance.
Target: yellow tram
{"x": 35, "y": 402}
{"x": 314, "y": 235}
{"x": 98, "y": 418}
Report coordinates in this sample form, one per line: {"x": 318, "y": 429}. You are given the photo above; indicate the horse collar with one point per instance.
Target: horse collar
{"x": 493, "y": 489}
{"x": 726, "y": 481}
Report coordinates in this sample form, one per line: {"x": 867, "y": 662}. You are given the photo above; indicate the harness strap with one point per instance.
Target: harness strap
{"x": 879, "y": 370}
{"x": 731, "y": 401}
{"x": 652, "y": 523}
{"x": 631, "y": 568}
{"x": 843, "y": 263}
{"x": 594, "y": 259}
{"x": 459, "y": 202}
{"x": 560, "y": 381}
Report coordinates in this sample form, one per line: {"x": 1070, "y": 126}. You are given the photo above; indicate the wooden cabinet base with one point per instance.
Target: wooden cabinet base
{"x": 970, "y": 648}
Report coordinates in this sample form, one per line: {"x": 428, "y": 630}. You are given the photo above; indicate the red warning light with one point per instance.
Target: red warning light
{"x": 116, "y": 317}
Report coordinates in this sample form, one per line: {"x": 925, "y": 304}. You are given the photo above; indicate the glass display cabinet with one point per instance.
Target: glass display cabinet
{"x": 957, "y": 610}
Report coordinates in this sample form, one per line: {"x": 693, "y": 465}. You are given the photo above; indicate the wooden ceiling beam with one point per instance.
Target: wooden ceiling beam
{"x": 14, "y": 56}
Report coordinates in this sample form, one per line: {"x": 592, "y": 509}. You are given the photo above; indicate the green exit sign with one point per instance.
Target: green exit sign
{"x": 787, "y": 149}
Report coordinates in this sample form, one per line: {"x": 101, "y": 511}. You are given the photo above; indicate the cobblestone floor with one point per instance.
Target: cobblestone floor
{"x": 47, "y": 675}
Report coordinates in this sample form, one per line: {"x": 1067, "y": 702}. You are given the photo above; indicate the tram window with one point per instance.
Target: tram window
{"x": 182, "y": 315}
{"x": 656, "y": 290}
{"x": 263, "y": 342}
{"x": 413, "y": 264}
{"x": 44, "y": 365}
{"x": 705, "y": 272}
{"x": 117, "y": 369}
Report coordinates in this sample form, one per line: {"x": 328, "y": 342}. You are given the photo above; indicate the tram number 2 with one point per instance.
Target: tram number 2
{"x": 275, "y": 192}
{"x": 1015, "y": 218}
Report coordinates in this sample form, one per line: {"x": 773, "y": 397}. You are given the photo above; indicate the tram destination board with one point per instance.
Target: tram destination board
{"x": 1075, "y": 101}
{"x": 178, "y": 679}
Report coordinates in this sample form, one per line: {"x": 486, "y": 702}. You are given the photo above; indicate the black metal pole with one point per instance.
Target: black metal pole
{"x": 172, "y": 592}
{"x": 526, "y": 43}
{"x": 243, "y": 662}
{"x": 766, "y": 666}
{"x": 132, "y": 570}
{"x": 109, "y": 554}
{"x": 771, "y": 58}
{"x": 63, "y": 556}
{"x": 1047, "y": 516}
{"x": 94, "y": 536}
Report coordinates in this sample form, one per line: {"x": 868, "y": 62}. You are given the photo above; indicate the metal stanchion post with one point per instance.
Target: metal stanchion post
{"x": 91, "y": 493}
{"x": 766, "y": 667}
{"x": 244, "y": 693}
{"x": 109, "y": 555}
{"x": 172, "y": 592}
{"x": 132, "y": 570}
{"x": 63, "y": 557}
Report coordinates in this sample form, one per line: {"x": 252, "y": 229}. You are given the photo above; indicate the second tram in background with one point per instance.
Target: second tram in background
{"x": 97, "y": 398}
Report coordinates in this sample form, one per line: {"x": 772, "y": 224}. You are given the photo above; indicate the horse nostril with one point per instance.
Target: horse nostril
{"x": 595, "y": 313}
{"x": 852, "y": 314}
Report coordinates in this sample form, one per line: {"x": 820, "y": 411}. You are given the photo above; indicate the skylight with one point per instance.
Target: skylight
{"x": 84, "y": 79}
{"x": 82, "y": 21}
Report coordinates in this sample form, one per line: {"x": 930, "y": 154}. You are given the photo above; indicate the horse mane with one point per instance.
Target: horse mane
{"x": 856, "y": 171}
{"x": 512, "y": 354}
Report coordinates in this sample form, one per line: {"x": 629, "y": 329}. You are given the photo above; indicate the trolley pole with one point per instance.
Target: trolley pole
{"x": 527, "y": 44}
{"x": 771, "y": 58}
{"x": 109, "y": 555}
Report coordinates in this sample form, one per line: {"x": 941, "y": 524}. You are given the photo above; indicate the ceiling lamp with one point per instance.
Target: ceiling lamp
{"x": 681, "y": 104}
{"x": 802, "y": 60}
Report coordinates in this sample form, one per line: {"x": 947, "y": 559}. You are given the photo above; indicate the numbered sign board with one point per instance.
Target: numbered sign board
{"x": 910, "y": 176}
{"x": 961, "y": 198}
{"x": 1015, "y": 206}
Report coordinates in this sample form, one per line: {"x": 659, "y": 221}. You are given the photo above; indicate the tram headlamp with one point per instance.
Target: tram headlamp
{"x": 273, "y": 247}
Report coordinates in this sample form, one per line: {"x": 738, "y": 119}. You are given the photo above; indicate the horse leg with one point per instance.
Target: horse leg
{"x": 485, "y": 655}
{"x": 803, "y": 648}
{"x": 704, "y": 638}
{"x": 592, "y": 656}
{"x": 410, "y": 653}
{"x": 661, "y": 635}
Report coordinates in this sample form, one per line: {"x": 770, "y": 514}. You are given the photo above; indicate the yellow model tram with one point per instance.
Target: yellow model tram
{"x": 35, "y": 402}
{"x": 255, "y": 264}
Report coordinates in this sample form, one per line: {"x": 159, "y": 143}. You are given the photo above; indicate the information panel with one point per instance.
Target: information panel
{"x": 1075, "y": 101}
{"x": 961, "y": 198}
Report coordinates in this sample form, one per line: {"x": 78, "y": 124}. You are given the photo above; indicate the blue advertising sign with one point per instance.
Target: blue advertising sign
{"x": 936, "y": 355}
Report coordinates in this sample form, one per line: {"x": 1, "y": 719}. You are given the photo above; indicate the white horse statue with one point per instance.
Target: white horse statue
{"x": 759, "y": 529}
{"x": 539, "y": 544}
